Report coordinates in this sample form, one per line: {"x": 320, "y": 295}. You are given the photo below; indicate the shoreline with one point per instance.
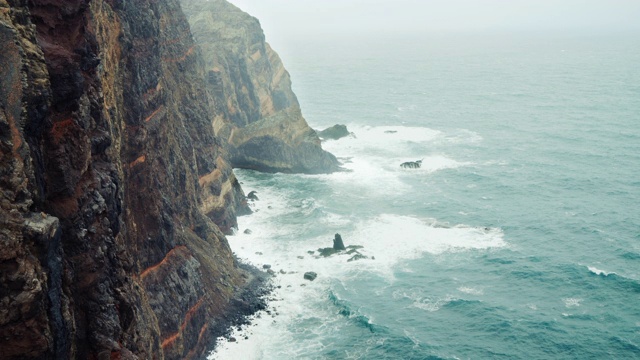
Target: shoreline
{"x": 247, "y": 302}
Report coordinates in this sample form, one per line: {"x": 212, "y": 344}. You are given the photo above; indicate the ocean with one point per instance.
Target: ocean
{"x": 518, "y": 238}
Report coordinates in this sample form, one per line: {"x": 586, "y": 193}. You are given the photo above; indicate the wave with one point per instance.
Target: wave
{"x": 597, "y": 271}
{"x": 347, "y": 310}
{"x": 622, "y": 282}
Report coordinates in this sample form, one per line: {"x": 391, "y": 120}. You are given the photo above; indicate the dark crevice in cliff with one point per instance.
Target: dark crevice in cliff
{"x": 58, "y": 325}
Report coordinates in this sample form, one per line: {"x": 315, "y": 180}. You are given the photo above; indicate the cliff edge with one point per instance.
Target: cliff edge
{"x": 114, "y": 187}
{"x": 258, "y": 115}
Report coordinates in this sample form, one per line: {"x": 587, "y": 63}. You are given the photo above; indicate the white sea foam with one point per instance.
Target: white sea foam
{"x": 422, "y": 301}
{"x": 572, "y": 302}
{"x": 599, "y": 272}
{"x": 471, "y": 290}
{"x": 389, "y": 240}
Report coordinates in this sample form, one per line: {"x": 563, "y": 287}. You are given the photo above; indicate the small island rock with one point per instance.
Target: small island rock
{"x": 337, "y": 243}
{"x": 310, "y": 276}
{"x": 335, "y": 132}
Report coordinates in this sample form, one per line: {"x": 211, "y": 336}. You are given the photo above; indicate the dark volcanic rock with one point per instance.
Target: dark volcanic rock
{"x": 335, "y": 132}
{"x": 411, "y": 164}
{"x": 258, "y": 114}
{"x": 310, "y": 276}
{"x": 114, "y": 189}
{"x": 337, "y": 243}
{"x": 252, "y": 196}
{"x": 357, "y": 257}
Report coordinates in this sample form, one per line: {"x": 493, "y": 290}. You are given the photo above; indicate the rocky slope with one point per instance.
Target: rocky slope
{"x": 113, "y": 186}
{"x": 257, "y": 110}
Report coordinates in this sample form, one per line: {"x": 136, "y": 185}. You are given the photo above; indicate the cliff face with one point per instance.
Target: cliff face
{"x": 114, "y": 188}
{"x": 258, "y": 114}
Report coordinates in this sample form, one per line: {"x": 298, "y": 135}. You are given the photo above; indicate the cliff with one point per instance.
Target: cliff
{"x": 114, "y": 187}
{"x": 258, "y": 115}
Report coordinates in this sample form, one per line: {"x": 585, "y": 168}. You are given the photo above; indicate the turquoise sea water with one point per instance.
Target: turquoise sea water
{"x": 519, "y": 238}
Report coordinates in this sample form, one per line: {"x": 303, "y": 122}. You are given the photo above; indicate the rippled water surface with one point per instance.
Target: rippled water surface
{"x": 519, "y": 238}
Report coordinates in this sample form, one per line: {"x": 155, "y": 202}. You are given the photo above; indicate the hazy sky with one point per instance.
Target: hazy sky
{"x": 283, "y": 19}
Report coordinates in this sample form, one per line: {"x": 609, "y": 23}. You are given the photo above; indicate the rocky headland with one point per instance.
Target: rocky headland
{"x": 115, "y": 190}
{"x": 258, "y": 116}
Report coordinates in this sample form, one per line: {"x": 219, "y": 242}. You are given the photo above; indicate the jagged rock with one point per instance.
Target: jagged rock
{"x": 334, "y": 132}
{"x": 310, "y": 276}
{"x": 357, "y": 257}
{"x": 337, "y": 243}
{"x": 326, "y": 252}
{"x": 412, "y": 164}
{"x": 260, "y": 118}
{"x": 252, "y": 196}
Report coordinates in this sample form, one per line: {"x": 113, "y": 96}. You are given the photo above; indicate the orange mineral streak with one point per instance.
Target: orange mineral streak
{"x": 16, "y": 138}
{"x": 57, "y": 131}
{"x": 137, "y": 161}
{"x": 171, "y": 339}
{"x": 175, "y": 251}
{"x": 192, "y": 353}
{"x": 148, "y": 118}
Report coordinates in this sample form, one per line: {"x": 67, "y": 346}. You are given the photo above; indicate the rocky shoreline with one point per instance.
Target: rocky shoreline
{"x": 248, "y": 301}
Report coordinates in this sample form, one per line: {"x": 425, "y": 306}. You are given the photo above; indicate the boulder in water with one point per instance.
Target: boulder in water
{"x": 411, "y": 164}
{"x": 335, "y": 132}
{"x": 310, "y": 275}
{"x": 252, "y": 196}
{"x": 357, "y": 256}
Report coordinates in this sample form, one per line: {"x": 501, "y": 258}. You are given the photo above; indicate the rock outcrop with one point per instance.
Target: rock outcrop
{"x": 113, "y": 186}
{"x": 334, "y": 132}
{"x": 258, "y": 114}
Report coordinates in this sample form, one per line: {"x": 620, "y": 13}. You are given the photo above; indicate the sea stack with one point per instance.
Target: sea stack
{"x": 337, "y": 243}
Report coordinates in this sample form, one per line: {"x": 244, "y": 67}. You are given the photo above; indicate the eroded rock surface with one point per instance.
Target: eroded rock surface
{"x": 114, "y": 189}
{"x": 257, "y": 112}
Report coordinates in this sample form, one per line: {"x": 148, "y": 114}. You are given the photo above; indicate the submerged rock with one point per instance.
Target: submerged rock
{"x": 248, "y": 231}
{"x": 252, "y": 196}
{"x": 310, "y": 276}
{"x": 326, "y": 252}
{"x": 335, "y": 132}
{"x": 411, "y": 164}
{"x": 357, "y": 257}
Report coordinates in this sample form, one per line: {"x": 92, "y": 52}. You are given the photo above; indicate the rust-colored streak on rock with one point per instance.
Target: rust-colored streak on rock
{"x": 16, "y": 138}
{"x": 153, "y": 114}
{"x": 192, "y": 354}
{"x": 167, "y": 258}
{"x": 171, "y": 339}
{"x": 57, "y": 131}
{"x": 137, "y": 161}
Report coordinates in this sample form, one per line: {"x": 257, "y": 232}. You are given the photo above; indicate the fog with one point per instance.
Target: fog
{"x": 285, "y": 20}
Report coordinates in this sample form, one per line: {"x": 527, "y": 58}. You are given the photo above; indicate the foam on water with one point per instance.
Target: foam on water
{"x": 387, "y": 241}
{"x": 599, "y": 272}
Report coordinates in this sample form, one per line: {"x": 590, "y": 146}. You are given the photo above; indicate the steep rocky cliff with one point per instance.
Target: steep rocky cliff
{"x": 113, "y": 186}
{"x": 258, "y": 114}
